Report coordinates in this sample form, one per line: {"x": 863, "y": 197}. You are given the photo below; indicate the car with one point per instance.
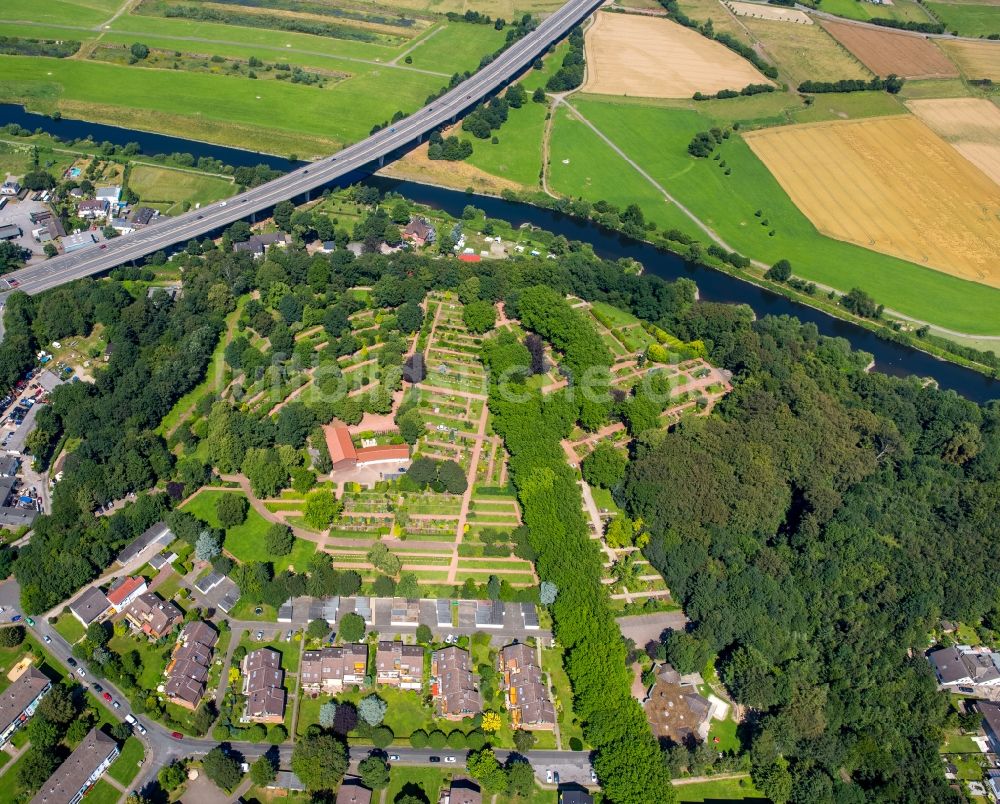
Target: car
{"x": 555, "y": 776}
{"x": 434, "y": 759}
{"x": 71, "y": 661}
{"x": 47, "y": 639}
{"x": 593, "y": 776}
{"x": 222, "y": 203}
{"x": 81, "y": 672}
{"x": 116, "y": 705}
{"x": 98, "y": 688}
{"x": 13, "y": 283}
{"x": 260, "y": 635}
{"x": 107, "y": 696}
{"x": 140, "y": 728}
{"x": 548, "y": 776}
{"x": 104, "y": 245}
{"x": 130, "y": 719}
{"x": 288, "y": 636}
{"x": 393, "y": 757}
{"x": 29, "y": 621}
{"x": 15, "y": 618}
{"x": 449, "y": 759}
{"x": 177, "y": 735}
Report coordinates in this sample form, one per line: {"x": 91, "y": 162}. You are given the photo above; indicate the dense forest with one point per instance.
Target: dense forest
{"x": 814, "y": 527}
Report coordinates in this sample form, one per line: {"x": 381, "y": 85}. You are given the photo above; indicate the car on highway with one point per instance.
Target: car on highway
{"x": 107, "y": 696}
{"x": 47, "y": 639}
{"x": 434, "y": 759}
{"x": 449, "y": 759}
{"x": 177, "y": 735}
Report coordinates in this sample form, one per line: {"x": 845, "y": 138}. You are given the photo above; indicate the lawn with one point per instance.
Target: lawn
{"x": 290, "y": 653}
{"x": 90, "y": 12}
{"x": 10, "y": 791}
{"x": 103, "y": 793}
{"x": 167, "y": 189}
{"x": 859, "y": 10}
{"x": 518, "y": 155}
{"x": 70, "y": 628}
{"x": 656, "y": 138}
{"x": 538, "y": 796}
{"x": 246, "y": 542}
{"x": 430, "y": 780}
{"x": 569, "y": 728}
{"x": 455, "y": 47}
{"x": 718, "y": 790}
{"x": 125, "y": 768}
{"x": 154, "y": 658}
{"x": 968, "y": 19}
{"x": 957, "y": 743}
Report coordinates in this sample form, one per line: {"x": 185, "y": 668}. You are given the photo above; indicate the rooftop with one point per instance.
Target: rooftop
{"x": 64, "y": 785}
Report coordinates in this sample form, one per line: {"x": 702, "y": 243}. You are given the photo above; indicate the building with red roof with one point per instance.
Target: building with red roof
{"x": 341, "y": 447}
{"x": 125, "y": 590}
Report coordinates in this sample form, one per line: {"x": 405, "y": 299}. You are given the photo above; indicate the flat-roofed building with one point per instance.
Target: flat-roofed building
{"x": 19, "y": 701}
{"x": 80, "y": 771}
{"x": 400, "y": 665}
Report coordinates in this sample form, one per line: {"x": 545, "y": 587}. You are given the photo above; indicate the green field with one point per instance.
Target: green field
{"x": 103, "y": 793}
{"x": 861, "y": 10}
{"x": 167, "y": 189}
{"x": 518, "y": 155}
{"x": 70, "y": 628}
{"x": 656, "y": 138}
{"x": 718, "y": 790}
{"x": 968, "y": 19}
{"x": 455, "y": 47}
{"x": 81, "y": 12}
{"x": 430, "y": 780}
{"x": 125, "y": 768}
{"x": 154, "y": 657}
{"x": 246, "y": 541}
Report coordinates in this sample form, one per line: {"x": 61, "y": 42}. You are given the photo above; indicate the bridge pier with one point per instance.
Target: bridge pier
{"x": 381, "y": 160}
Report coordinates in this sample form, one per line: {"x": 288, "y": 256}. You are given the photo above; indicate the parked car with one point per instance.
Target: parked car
{"x": 130, "y": 719}
{"x": 47, "y": 639}
{"x": 393, "y": 757}
{"x": 449, "y": 759}
{"x": 116, "y": 705}
{"x": 140, "y": 728}
{"x": 593, "y": 776}
{"x": 81, "y": 672}
{"x": 98, "y": 688}
{"x": 434, "y": 759}
{"x": 70, "y": 661}
{"x": 107, "y": 696}
{"x": 177, "y": 735}
{"x": 548, "y": 776}
{"x": 260, "y": 635}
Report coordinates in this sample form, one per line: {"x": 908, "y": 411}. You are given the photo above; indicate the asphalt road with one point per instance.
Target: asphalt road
{"x": 98, "y": 259}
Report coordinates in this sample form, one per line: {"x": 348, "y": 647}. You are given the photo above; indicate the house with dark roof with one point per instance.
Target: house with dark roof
{"x": 351, "y": 791}
{"x": 674, "y": 708}
{"x": 142, "y": 216}
{"x": 187, "y": 671}
{"x": 399, "y": 665}
{"x": 19, "y": 701}
{"x": 525, "y": 686}
{"x": 958, "y": 666}
{"x": 452, "y": 685}
{"x": 575, "y": 795}
{"x": 263, "y": 686}
{"x": 991, "y": 723}
{"x": 90, "y": 606}
{"x": 80, "y": 771}
{"x": 463, "y": 791}
{"x": 93, "y": 209}
{"x": 419, "y": 232}
{"x": 257, "y": 245}
{"x": 153, "y": 615}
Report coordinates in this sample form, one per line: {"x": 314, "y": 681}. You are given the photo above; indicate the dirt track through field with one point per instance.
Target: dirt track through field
{"x": 971, "y": 125}
{"x": 892, "y": 52}
{"x": 654, "y": 58}
{"x": 892, "y": 185}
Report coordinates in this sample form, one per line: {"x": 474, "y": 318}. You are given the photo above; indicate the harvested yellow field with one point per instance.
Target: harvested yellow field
{"x": 650, "y": 57}
{"x": 974, "y": 59}
{"x": 971, "y": 125}
{"x": 805, "y": 51}
{"x": 775, "y": 13}
{"x": 892, "y": 185}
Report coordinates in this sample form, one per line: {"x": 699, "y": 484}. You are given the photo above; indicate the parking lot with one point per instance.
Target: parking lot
{"x": 18, "y": 213}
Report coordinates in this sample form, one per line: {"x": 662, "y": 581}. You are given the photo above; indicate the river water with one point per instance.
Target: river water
{"x": 891, "y": 358}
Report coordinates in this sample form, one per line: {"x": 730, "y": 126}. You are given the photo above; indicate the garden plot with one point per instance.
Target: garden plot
{"x": 453, "y": 353}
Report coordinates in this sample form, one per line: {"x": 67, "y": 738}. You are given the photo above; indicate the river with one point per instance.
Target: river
{"x": 891, "y": 358}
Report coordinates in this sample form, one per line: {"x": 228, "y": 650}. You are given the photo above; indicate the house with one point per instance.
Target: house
{"x": 527, "y": 694}
{"x": 124, "y": 590}
{"x": 158, "y": 535}
{"x": 122, "y": 226}
{"x": 92, "y": 209}
{"x": 80, "y": 771}
{"x": 961, "y": 666}
{"x": 399, "y": 665}
{"x": 78, "y": 242}
{"x": 10, "y": 231}
{"x": 332, "y": 668}
{"x": 419, "y": 232}
{"x": 257, "y": 245}
{"x": 153, "y": 615}
{"x": 10, "y": 188}
{"x": 90, "y": 606}
{"x": 112, "y": 195}
{"x": 452, "y": 684}
{"x": 20, "y": 700}
{"x": 263, "y": 681}
{"x": 341, "y": 447}
{"x": 143, "y": 216}
{"x": 286, "y": 780}
{"x": 674, "y": 708}
{"x": 187, "y": 671}
{"x": 351, "y": 791}
{"x": 328, "y": 247}
{"x": 385, "y": 453}
{"x": 463, "y": 791}
{"x": 991, "y": 723}
{"x": 575, "y": 795}
{"x": 9, "y": 465}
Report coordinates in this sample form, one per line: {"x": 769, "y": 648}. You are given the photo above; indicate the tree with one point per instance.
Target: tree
{"x": 35, "y": 767}
{"x": 524, "y": 740}
{"x": 382, "y": 559}
{"x": 520, "y": 776}
{"x": 318, "y": 628}
{"x": 491, "y": 722}
{"x": 424, "y": 634}
{"x": 352, "y": 627}
{"x": 374, "y": 772}
{"x": 621, "y": 532}
{"x": 277, "y": 734}
{"x": 484, "y": 767}
{"x": 479, "y": 316}
{"x": 231, "y": 509}
{"x": 372, "y": 709}
{"x": 328, "y": 714}
{"x": 279, "y": 540}
{"x": 605, "y": 466}
{"x": 172, "y": 776}
{"x": 264, "y": 770}
{"x": 422, "y": 471}
{"x": 547, "y": 592}
{"x": 207, "y": 547}
{"x": 265, "y": 471}
{"x": 44, "y": 734}
{"x": 452, "y": 477}
{"x": 139, "y": 51}
{"x": 411, "y": 426}
{"x": 222, "y": 768}
{"x": 418, "y": 738}
{"x": 58, "y": 706}
{"x": 12, "y": 636}
{"x": 322, "y": 508}
{"x": 319, "y": 760}
{"x": 283, "y": 212}
{"x": 409, "y": 317}
{"x": 538, "y": 96}
{"x": 781, "y": 271}
{"x": 408, "y": 586}
{"x": 382, "y": 736}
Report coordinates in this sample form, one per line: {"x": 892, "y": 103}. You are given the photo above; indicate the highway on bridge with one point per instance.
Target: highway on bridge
{"x": 197, "y": 223}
